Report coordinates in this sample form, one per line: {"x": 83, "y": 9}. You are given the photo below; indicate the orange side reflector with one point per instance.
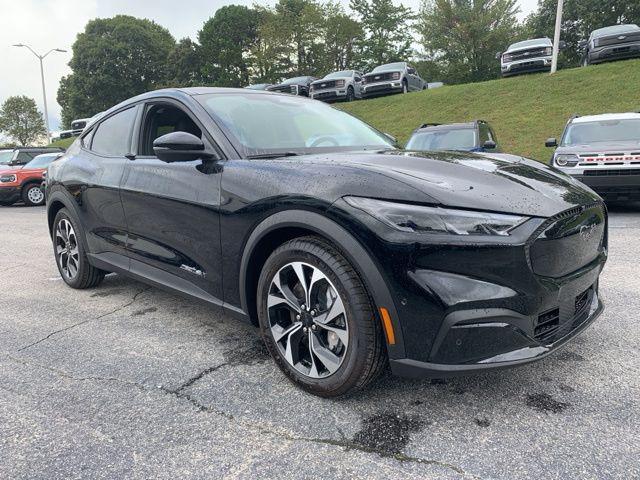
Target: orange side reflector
{"x": 388, "y": 326}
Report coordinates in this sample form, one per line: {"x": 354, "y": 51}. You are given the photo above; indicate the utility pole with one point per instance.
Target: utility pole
{"x": 44, "y": 92}
{"x": 556, "y": 37}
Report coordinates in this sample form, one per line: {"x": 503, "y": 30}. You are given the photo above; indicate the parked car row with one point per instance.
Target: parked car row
{"x": 24, "y": 182}
{"x": 605, "y": 44}
{"x": 348, "y": 85}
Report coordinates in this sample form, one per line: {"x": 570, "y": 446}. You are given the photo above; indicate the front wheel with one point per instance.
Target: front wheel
{"x": 350, "y": 94}
{"x": 317, "y": 320}
{"x": 405, "y": 87}
{"x": 32, "y": 195}
{"x": 71, "y": 258}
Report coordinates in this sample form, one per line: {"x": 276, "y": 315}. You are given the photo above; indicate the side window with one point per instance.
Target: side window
{"x": 484, "y": 132}
{"x": 23, "y": 157}
{"x": 163, "y": 119}
{"x": 113, "y": 135}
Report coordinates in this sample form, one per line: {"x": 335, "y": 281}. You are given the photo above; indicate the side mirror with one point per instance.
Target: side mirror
{"x": 582, "y": 44}
{"x": 498, "y": 55}
{"x": 489, "y": 145}
{"x": 180, "y": 147}
{"x": 551, "y": 143}
{"x": 562, "y": 44}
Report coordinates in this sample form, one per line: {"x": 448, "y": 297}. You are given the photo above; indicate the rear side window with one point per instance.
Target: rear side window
{"x": 112, "y": 136}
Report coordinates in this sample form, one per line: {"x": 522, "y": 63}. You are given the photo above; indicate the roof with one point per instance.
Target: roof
{"x": 606, "y": 116}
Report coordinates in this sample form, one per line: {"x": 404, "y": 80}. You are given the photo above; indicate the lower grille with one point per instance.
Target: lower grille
{"x": 547, "y": 325}
{"x": 582, "y": 301}
{"x": 612, "y": 172}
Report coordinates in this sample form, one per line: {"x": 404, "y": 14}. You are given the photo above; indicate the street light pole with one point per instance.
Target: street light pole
{"x": 556, "y": 37}
{"x": 44, "y": 91}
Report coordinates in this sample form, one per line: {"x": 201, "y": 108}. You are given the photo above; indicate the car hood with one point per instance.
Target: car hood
{"x": 530, "y": 47}
{"x": 617, "y": 147}
{"x": 492, "y": 182}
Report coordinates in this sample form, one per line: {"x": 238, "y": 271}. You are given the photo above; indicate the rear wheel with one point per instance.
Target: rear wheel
{"x": 33, "y": 195}
{"x": 71, "y": 258}
{"x": 350, "y": 94}
{"x": 317, "y": 320}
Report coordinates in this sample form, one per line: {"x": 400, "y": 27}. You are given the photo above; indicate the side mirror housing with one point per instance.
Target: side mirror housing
{"x": 551, "y": 142}
{"x": 582, "y": 44}
{"x": 489, "y": 145}
{"x": 180, "y": 147}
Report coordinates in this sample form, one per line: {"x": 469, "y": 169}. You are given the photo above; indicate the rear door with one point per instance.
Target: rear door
{"x": 172, "y": 209}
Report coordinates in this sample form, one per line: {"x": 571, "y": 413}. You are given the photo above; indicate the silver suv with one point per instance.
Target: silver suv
{"x": 398, "y": 77}
{"x": 343, "y": 85}
{"x": 528, "y": 56}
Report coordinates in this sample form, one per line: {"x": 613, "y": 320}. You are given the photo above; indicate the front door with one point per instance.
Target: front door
{"x": 172, "y": 209}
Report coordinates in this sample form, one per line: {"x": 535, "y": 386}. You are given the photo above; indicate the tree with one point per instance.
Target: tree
{"x": 579, "y": 19}
{"x": 21, "y": 121}
{"x": 185, "y": 64}
{"x": 341, "y": 36}
{"x": 225, "y": 39}
{"x": 387, "y": 31}
{"x": 114, "y": 59}
{"x": 269, "y": 57}
{"x": 463, "y": 36}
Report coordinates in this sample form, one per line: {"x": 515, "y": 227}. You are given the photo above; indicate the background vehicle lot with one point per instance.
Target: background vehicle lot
{"x": 130, "y": 381}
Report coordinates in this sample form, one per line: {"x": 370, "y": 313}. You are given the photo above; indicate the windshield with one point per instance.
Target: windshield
{"x": 390, "y": 66}
{"x": 295, "y": 80}
{"x": 6, "y": 156}
{"x": 342, "y": 74}
{"x": 462, "y": 139}
{"x": 42, "y": 161}
{"x": 602, "y": 131}
{"x": 615, "y": 29}
{"x": 531, "y": 43}
{"x": 278, "y": 123}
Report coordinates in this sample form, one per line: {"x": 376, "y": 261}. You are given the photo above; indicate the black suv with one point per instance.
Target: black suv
{"x": 18, "y": 156}
{"x": 347, "y": 252}
{"x": 476, "y": 136}
{"x": 611, "y": 43}
{"x": 294, "y": 86}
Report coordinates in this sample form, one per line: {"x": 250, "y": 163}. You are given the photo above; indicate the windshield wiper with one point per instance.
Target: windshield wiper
{"x": 273, "y": 155}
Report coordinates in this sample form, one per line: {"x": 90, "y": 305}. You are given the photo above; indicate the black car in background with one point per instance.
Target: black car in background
{"x": 476, "y": 136}
{"x": 294, "y": 86}
{"x": 398, "y": 77}
{"x": 346, "y": 252}
{"x": 18, "y": 156}
{"x": 611, "y": 43}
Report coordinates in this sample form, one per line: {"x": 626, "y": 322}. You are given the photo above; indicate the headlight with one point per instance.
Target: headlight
{"x": 548, "y": 51}
{"x": 566, "y": 160}
{"x": 8, "y": 178}
{"x": 422, "y": 219}
{"x": 340, "y": 83}
{"x": 395, "y": 76}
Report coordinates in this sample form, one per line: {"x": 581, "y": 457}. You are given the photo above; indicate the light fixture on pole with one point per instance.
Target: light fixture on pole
{"x": 556, "y": 37}
{"x": 44, "y": 92}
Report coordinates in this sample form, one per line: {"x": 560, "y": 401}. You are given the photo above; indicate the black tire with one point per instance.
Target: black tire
{"x": 585, "y": 61}
{"x": 350, "y": 94}
{"x": 29, "y": 196}
{"x": 4, "y": 203}
{"x": 365, "y": 357}
{"x": 405, "y": 86}
{"x": 86, "y": 276}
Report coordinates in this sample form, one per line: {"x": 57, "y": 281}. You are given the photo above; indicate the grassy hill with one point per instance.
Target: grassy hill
{"x": 64, "y": 143}
{"x": 524, "y": 111}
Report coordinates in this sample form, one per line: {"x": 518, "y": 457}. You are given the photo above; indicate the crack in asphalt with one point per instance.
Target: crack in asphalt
{"x": 179, "y": 393}
{"x": 135, "y": 297}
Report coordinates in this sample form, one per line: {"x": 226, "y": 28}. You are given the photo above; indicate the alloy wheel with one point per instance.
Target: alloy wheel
{"x": 66, "y": 248}
{"x": 308, "y": 320}
{"x": 35, "y": 195}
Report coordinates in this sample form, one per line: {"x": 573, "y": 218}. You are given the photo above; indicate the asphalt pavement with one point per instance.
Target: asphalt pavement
{"x": 128, "y": 381}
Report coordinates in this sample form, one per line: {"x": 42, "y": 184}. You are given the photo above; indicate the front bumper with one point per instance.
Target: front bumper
{"x": 330, "y": 95}
{"x": 614, "y": 52}
{"x": 381, "y": 88}
{"x": 612, "y": 184}
{"x": 526, "y": 66}
{"x": 9, "y": 194}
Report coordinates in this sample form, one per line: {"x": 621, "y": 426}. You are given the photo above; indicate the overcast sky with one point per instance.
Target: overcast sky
{"x": 46, "y": 24}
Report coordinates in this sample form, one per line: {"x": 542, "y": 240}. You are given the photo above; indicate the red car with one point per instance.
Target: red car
{"x": 25, "y": 182}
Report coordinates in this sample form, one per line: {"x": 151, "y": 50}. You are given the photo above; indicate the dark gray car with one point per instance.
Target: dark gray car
{"x": 611, "y": 43}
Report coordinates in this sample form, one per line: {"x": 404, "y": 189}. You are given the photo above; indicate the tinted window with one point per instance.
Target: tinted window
{"x": 342, "y": 74}
{"x": 163, "y": 119}
{"x": 112, "y": 136}
{"x": 390, "y": 66}
{"x": 42, "y": 161}
{"x": 23, "y": 157}
{"x": 443, "y": 140}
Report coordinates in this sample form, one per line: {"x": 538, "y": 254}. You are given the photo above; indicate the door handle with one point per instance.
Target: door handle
{"x": 130, "y": 156}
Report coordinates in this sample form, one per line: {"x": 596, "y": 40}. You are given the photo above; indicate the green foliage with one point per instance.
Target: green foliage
{"x": 579, "y": 19}
{"x": 184, "y": 65}
{"x": 463, "y": 36}
{"x": 342, "y": 35}
{"x": 21, "y": 121}
{"x": 524, "y": 110}
{"x": 113, "y": 59}
{"x": 387, "y": 31}
{"x": 225, "y": 39}
{"x": 63, "y": 142}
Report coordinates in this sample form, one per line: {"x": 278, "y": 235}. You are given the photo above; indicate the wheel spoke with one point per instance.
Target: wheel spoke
{"x": 287, "y": 295}
{"x": 279, "y": 332}
{"x": 330, "y": 361}
{"x": 299, "y": 270}
{"x": 291, "y": 348}
{"x": 337, "y": 309}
